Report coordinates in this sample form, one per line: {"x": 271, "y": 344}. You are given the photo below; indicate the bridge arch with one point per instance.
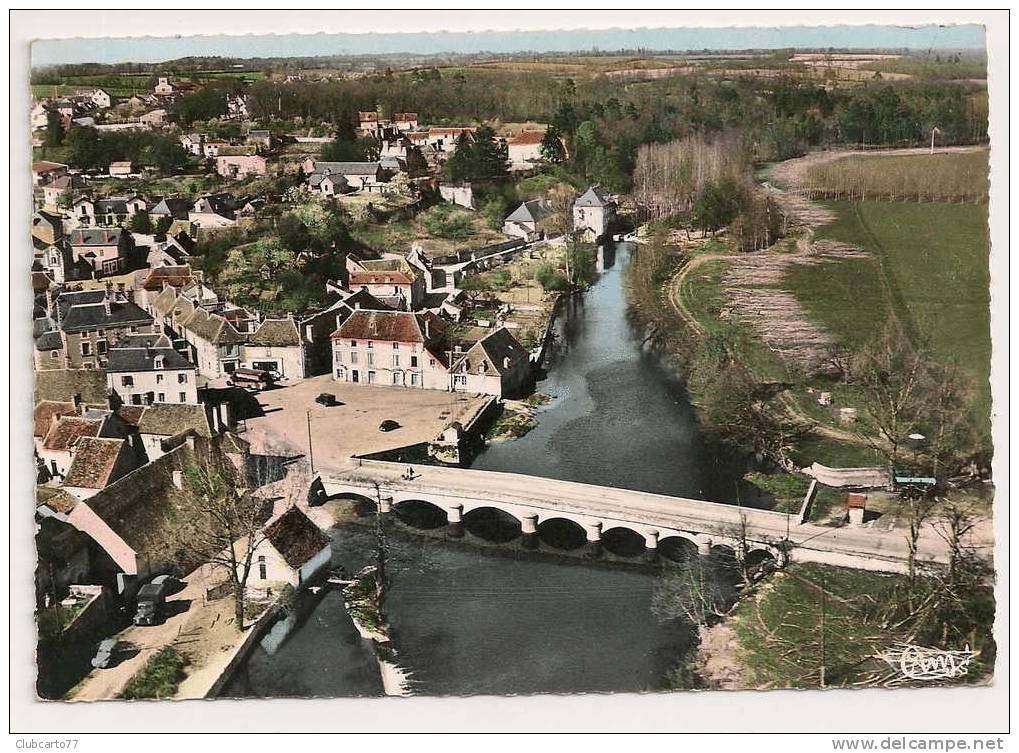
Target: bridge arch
{"x": 420, "y": 513}
{"x": 492, "y": 524}
{"x": 562, "y": 533}
{"x": 624, "y": 541}
{"x": 677, "y": 548}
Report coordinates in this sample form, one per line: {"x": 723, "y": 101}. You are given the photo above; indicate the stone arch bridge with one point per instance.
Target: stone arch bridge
{"x": 655, "y": 517}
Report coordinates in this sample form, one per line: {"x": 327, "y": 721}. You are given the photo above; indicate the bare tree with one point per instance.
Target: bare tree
{"x": 695, "y": 589}
{"x": 891, "y": 373}
{"x": 218, "y": 521}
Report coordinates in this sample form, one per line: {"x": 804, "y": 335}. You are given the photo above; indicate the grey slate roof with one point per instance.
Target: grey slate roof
{"x": 174, "y": 207}
{"x": 530, "y": 211}
{"x": 131, "y": 359}
{"x": 94, "y": 316}
{"x": 49, "y": 341}
{"x": 593, "y": 197}
{"x": 347, "y": 168}
{"x": 95, "y": 236}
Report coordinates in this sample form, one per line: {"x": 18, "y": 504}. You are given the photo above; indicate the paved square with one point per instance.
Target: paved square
{"x": 351, "y": 428}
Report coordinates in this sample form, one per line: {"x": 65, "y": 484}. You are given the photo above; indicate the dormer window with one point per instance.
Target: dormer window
{"x": 353, "y": 343}
{"x": 157, "y": 362}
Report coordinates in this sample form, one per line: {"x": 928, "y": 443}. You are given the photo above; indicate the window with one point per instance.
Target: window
{"x": 183, "y": 397}
{"x": 127, "y": 381}
{"x": 431, "y": 361}
{"x": 413, "y": 378}
{"x": 413, "y": 362}
{"x": 396, "y": 360}
{"x": 159, "y": 378}
{"x": 459, "y": 380}
{"x": 353, "y": 343}
{"x": 396, "y": 346}
{"x": 86, "y": 348}
{"x": 353, "y": 357}
{"x": 100, "y": 346}
{"x": 397, "y": 377}
{"x": 371, "y": 359}
{"x": 54, "y": 353}
{"x": 262, "y": 570}
{"x": 161, "y": 397}
{"x": 182, "y": 378}
{"x": 371, "y": 344}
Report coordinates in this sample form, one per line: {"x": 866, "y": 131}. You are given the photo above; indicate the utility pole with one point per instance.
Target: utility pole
{"x": 934, "y": 130}
{"x": 311, "y": 452}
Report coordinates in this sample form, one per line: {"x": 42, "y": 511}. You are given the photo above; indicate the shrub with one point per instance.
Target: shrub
{"x": 159, "y": 677}
{"x": 443, "y": 221}
{"x": 549, "y": 278}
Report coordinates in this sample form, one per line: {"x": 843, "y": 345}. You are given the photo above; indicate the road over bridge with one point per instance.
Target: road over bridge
{"x": 532, "y": 500}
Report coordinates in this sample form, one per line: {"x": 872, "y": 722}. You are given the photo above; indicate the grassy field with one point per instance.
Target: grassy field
{"x": 945, "y": 176}
{"x": 934, "y": 257}
{"x": 397, "y": 237}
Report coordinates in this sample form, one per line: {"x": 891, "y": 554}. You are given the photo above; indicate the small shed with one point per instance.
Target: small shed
{"x": 856, "y": 506}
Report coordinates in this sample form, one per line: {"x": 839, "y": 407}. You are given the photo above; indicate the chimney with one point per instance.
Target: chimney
{"x": 505, "y": 362}
{"x": 427, "y": 329}
{"x": 189, "y": 440}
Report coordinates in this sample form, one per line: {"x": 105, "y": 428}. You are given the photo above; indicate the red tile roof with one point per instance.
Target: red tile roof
{"x": 94, "y": 462}
{"x": 175, "y": 276}
{"x": 526, "y": 137}
{"x": 70, "y": 430}
{"x": 46, "y": 411}
{"x": 391, "y": 326}
{"x": 856, "y": 501}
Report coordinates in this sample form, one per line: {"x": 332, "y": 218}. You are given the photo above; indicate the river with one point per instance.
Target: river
{"x": 467, "y": 619}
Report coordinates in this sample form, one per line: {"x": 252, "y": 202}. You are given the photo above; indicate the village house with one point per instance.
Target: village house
{"x": 51, "y": 253}
{"x": 145, "y": 369}
{"x": 105, "y": 251}
{"x": 97, "y": 463}
{"x": 593, "y": 213}
{"x": 45, "y": 416}
{"x": 149, "y": 283}
{"x": 369, "y": 123}
{"x": 111, "y": 211}
{"x": 192, "y": 143}
{"x": 214, "y": 342}
{"x": 163, "y": 426}
{"x": 131, "y": 519}
{"x": 44, "y": 172}
{"x": 163, "y": 87}
{"x": 236, "y": 107}
{"x": 393, "y": 281}
{"x": 275, "y": 347}
{"x": 357, "y": 176}
{"x": 89, "y": 320}
{"x": 405, "y": 121}
{"x": 210, "y": 149}
{"x": 443, "y": 140}
{"x": 291, "y": 551}
{"x": 524, "y": 149}
{"x": 261, "y": 138}
{"x": 54, "y": 192}
{"x": 495, "y": 365}
{"x": 121, "y": 169}
{"x": 317, "y": 327}
{"x": 237, "y": 163}
{"x": 395, "y": 348}
{"x": 56, "y": 451}
{"x": 525, "y": 221}
{"x": 174, "y": 207}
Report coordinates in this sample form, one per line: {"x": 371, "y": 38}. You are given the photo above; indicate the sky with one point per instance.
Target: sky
{"x": 155, "y": 49}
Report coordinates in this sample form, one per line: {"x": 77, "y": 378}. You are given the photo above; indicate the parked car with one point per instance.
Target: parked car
{"x": 105, "y": 654}
{"x": 388, "y": 425}
{"x": 327, "y": 399}
{"x": 151, "y": 600}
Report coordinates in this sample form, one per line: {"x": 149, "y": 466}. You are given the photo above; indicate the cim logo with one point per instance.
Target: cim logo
{"x": 929, "y": 664}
